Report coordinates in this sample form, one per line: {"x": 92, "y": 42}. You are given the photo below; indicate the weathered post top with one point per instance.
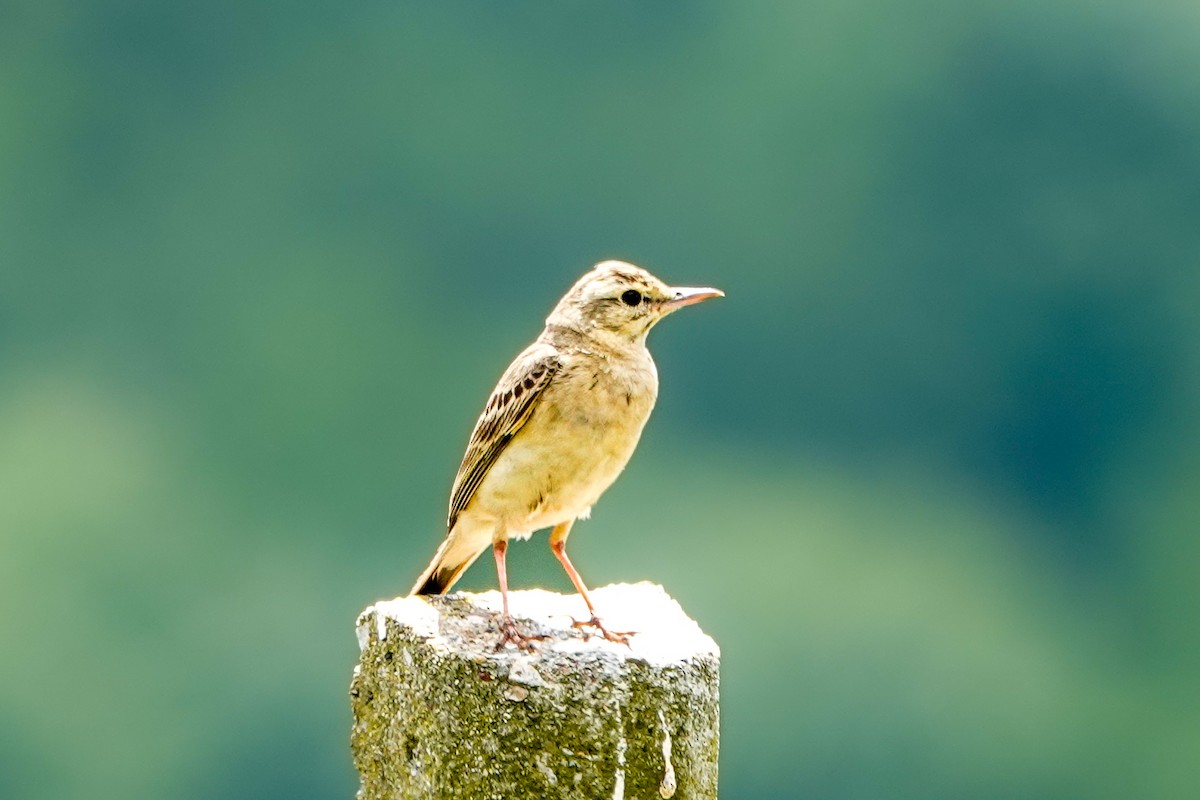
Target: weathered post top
{"x": 440, "y": 713}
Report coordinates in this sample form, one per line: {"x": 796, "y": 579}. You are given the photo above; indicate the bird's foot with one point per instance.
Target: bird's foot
{"x": 620, "y": 637}
{"x": 511, "y": 634}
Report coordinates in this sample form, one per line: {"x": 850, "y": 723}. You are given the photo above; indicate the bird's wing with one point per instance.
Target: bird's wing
{"x": 510, "y": 406}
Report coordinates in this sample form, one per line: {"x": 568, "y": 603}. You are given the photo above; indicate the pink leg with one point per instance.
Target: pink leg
{"x": 508, "y": 628}
{"x": 558, "y": 543}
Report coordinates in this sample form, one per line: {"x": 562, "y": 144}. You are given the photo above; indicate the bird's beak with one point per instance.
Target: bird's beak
{"x": 689, "y": 295}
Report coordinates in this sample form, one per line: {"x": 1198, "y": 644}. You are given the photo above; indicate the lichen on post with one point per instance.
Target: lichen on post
{"x": 439, "y": 712}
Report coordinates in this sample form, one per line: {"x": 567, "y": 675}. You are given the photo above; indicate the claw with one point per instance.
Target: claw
{"x": 509, "y": 633}
{"x": 620, "y": 637}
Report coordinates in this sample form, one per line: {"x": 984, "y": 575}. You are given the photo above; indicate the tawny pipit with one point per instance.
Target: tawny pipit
{"x": 559, "y": 427}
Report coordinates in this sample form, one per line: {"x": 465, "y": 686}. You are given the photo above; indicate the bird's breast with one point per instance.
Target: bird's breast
{"x": 574, "y": 445}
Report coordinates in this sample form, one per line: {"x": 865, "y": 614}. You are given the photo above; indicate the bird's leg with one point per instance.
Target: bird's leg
{"x": 558, "y": 543}
{"x": 508, "y": 628}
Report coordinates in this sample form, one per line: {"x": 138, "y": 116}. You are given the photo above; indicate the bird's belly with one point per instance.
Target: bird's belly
{"x": 565, "y": 457}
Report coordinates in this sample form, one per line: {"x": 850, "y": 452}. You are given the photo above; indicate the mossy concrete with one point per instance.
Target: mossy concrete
{"x": 439, "y": 712}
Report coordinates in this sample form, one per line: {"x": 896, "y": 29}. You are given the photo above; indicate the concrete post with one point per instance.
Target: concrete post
{"x": 440, "y": 713}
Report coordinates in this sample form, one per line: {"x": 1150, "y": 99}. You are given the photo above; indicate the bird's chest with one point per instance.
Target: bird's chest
{"x": 602, "y": 405}
{"x": 583, "y": 433}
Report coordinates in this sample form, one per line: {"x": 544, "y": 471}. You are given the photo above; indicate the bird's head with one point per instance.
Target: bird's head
{"x": 622, "y": 300}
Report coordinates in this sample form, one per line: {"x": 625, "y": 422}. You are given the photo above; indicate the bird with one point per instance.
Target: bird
{"x": 558, "y": 429}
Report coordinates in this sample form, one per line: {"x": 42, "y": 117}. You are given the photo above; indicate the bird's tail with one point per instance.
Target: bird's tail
{"x": 448, "y": 565}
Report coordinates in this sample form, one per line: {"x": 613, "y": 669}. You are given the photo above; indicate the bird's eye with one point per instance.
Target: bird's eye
{"x": 631, "y": 297}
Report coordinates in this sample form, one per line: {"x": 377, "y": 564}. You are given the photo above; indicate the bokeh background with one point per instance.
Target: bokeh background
{"x": 928, "y": 474}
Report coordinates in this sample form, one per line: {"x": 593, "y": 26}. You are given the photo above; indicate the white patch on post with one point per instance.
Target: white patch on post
{"x": 667, "y": 787}
{"x": 622, "y": 745}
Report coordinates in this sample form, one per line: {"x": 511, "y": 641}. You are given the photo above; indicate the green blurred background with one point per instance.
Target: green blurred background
{"x": 928, "y": 474}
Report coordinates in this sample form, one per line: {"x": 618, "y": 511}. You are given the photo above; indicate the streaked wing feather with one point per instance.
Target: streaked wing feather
{"x": 510, "y": 406}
